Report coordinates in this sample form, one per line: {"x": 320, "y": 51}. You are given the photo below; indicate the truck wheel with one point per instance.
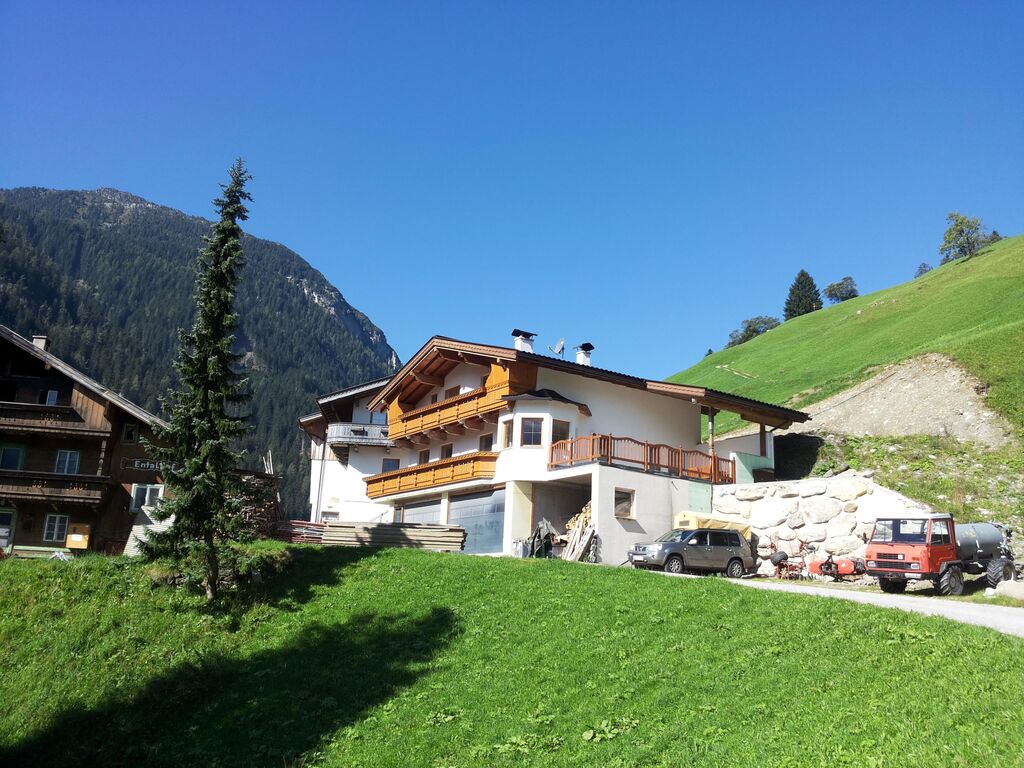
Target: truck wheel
{"x": 951, "y": 582}
{"x": 892, "y": 586}
{"x": 999, "y": 569}
{"x": 778, "y": 558}
{"x": 674, "y": 564}
{"x": 734, "y": 569}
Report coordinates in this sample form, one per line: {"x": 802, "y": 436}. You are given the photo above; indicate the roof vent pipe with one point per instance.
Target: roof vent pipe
{"x": 43, "y": 342}
{"x": 523, "y": 340}
{"x": 583, "y": 353}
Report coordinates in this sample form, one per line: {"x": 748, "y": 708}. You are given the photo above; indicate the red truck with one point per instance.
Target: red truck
{"x": 930, "y": 546}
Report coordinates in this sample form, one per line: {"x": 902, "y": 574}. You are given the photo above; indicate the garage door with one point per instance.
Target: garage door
{"x": 483, "y": 517}
{"x": 423, "y": 512}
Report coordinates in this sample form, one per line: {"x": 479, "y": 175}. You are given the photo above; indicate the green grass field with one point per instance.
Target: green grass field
{"x": 405, "y": 658}
{"x": 971, "y": 310}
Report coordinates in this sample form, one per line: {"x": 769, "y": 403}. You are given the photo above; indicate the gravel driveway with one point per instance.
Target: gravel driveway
{"x": 998, "y": 617}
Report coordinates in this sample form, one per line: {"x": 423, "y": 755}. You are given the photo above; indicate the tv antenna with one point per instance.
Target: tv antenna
{"x": 559, "y": 348}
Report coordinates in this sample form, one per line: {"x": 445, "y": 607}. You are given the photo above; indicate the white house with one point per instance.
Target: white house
{"x": 496, "y": 438}
{"x": 348, "y": 442}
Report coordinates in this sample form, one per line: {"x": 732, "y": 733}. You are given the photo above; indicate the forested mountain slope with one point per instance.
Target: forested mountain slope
{"x": 109, "y": 277}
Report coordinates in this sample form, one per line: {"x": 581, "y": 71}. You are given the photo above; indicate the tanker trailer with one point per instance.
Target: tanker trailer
{"x": 930, "y": 546}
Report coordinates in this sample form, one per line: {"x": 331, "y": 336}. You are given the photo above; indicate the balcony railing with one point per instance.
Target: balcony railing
{"x": 451, "y": 411}
{"x": 34, "y": 417}
{"x": 347, "y": 433}
{"x": 468, "y": 466}
{"x": 51, "y": 486}
{"x": 655, "y": 458}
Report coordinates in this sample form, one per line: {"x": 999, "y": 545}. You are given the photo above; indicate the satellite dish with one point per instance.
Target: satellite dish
{"x": 559, "y": 348}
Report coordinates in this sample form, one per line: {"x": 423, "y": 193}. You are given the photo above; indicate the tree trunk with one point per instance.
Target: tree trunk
{"x": 212, "y": 570}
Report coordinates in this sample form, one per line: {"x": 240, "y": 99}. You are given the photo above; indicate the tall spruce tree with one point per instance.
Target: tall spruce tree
{"x": 803, "y": 296}
{"x": 197, "y": 450}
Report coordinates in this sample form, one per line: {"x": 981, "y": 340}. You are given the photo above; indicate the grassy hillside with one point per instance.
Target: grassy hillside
{"x": 361, "y": 658}
{"x": 971, "y": 310}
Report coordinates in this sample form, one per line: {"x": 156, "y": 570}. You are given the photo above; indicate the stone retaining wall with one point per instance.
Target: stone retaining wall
{"x": 834, "y": 514}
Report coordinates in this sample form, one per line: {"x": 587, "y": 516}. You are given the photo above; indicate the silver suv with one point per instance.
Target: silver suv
{"x": 701, "y": 550}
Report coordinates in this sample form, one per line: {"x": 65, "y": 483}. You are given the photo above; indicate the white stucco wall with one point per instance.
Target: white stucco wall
{"x": 343, "y": 496}
{"x": 627, "y": 412}
{"x": 657, "y": 501}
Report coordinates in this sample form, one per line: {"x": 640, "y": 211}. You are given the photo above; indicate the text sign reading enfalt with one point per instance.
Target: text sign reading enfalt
{"x": 142, "y": 465}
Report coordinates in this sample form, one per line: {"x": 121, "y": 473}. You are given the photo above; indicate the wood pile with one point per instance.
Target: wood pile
{"x": 580, "y": 532}
{"x": 299, "y": 532}
{"x": 443, "y": 538}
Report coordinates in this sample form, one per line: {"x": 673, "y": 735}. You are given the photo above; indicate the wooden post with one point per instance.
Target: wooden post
{"x": 646, "y": 456}
{"x": 711, "y": 443}
{"x": 764, "y": 442}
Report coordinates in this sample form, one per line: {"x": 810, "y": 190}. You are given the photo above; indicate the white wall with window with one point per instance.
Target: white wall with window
{"x": 337, "y": 489}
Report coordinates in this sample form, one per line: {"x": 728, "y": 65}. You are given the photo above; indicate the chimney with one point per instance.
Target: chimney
{"x": 524, "y": 340}
{"x": 583, "y": 353}
{"x": 43, "y": 342}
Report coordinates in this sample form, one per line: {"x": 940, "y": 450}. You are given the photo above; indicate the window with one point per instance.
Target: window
{"x": 722, "y": 539}
{"x": 48, "y": 397}
{"x": 389, "y": 465}
{"x": 506, "y": 434}
{"x": 55, "y": 529}
{"x": 487, "y": 442}
{"x": 940, "y": 532}
{"x": 433, "y": 398}
{"x": 145, "y": 496}
{"x": 531, "y": 432}
{"x": 446, "y": 451}
{"x": 67, "y": 462}
{"x": 623, "y": 502}
{"x": 130, "y": 433}
{"x": 451, "y": 392}
{"x": 906, "y": 531}
{"x": 11, "y": 456}
{"x": 699, "y": 539}
{"x": 424, "y": 456}
{"x": 559, "y": 430}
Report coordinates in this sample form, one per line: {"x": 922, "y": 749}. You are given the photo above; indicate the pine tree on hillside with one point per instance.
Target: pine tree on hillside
{"x": 196, "y": 451}
{"x": 803, "y": 296}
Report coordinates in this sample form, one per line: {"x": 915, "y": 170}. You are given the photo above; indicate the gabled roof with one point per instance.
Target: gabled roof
{"x": 440, "y": 355}
{"x": 78, "y": 377}
{"x": 354, "y": 391}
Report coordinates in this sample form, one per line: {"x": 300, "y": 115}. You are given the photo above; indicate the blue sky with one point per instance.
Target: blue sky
{"x": 639, "y": 175}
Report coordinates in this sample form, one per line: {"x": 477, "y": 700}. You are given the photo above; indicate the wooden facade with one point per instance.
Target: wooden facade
{"x": 466, "y": 410}
{"x": 72, "y": 454}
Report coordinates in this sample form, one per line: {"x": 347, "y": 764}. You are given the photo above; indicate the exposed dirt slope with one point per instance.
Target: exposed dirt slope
{"x": 926, "y": 395}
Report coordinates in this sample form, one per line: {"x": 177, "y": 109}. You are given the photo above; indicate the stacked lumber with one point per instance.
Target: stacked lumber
{"x": 580, "y": 530}
{"x": 443, "y": 538}
{"x": 299, "y": 532}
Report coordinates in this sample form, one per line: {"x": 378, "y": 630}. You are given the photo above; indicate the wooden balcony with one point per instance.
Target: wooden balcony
{"x": 55, "y": 419}
{"x": 655, "y": 458}
{"x": 469, "y": 466}
{"x": 51, "y": 486}
{"x": 470, "y": 408}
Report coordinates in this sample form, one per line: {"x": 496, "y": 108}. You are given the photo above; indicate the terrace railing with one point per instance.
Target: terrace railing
{"x": 656, "y": 458}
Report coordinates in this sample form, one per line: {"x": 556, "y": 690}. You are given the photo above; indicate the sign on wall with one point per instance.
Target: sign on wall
{"x": 140, "y": 465}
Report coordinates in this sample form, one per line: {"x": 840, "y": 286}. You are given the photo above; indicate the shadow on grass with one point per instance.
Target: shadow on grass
{"x": 268, "y": 708}
{"x": 306, "y": 570}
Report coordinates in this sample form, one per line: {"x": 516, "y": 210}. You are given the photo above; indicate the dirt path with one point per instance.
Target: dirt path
{"x": 926, "y": 395}
{"x": 1001, "y": 618}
